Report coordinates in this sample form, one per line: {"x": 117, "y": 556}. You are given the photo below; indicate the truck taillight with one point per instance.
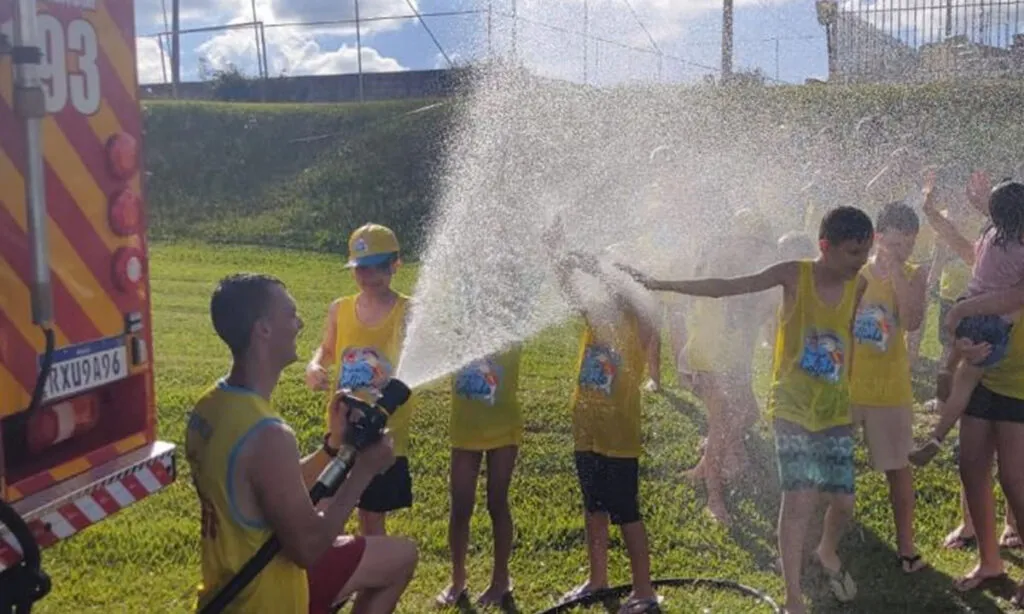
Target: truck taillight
{"x": 52, "y": 425}
{"x": 127, "y": 268}
{"x": 124, "y": 212}
{"x": 122, "y": 155}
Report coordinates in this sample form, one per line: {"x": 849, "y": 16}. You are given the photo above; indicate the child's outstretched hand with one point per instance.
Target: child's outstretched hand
{"x": 924, "y": 453}
{"x": 928, "y": 190}
{"x": 979, "y": 186}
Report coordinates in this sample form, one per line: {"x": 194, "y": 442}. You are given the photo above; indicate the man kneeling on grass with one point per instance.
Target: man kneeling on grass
{"x": 252, "y": 483}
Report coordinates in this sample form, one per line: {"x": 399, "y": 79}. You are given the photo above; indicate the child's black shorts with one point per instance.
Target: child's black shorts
{"x": 610, "y": 485}
{"x": 389, "y": 491}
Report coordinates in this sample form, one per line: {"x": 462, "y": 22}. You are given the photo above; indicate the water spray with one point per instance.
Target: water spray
{"x": 366, "y": 422}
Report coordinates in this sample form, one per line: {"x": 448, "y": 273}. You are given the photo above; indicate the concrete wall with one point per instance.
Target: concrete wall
{"x": 326, "y": 88}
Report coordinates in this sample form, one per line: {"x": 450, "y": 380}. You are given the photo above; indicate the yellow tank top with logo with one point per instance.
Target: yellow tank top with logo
{"x": 221, "y": 421}
{"x": 881, "y": 372}
{"x": 956, "y": 274}
{"x": 606, "y": 397}
{"x": 367, "y": 357}
{"x": 810, "y": 372}
{"x": 485, "y": 404}
{"x": 1006, "y": 377}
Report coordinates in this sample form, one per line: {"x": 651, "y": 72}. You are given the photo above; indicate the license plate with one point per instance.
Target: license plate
{"x": 82, "y": 367}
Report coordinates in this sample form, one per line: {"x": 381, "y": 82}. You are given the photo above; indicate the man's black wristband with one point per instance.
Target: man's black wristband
{"x": 328, "y": 450}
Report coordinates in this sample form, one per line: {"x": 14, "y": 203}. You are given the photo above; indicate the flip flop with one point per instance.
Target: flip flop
{"x": 445, "y": 599}
{"x": 1010, "y": 539}
{"x": 583, "y": 590}
{"x": 840, "y": 582}
{"x": 959, "y": 542}
{"x": 966, "y": 584}
{"x": 504, "y": 602}
{"x": 912, "y": 564}
{"x": 650, "y": 605}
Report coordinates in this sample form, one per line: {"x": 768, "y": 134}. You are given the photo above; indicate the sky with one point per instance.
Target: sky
{"x": 782, "y": 38}
{"x": 546, "y": 35}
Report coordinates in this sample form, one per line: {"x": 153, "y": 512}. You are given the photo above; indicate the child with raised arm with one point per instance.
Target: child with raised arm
{"x": 606, "y": 406}
{"x": 880, "y": 385}
{"x": 998, "y": 264}
{"x": 809, "y": 399}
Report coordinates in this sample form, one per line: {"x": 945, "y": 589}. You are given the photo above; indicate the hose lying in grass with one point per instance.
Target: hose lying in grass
{"x": 618, "y": 592}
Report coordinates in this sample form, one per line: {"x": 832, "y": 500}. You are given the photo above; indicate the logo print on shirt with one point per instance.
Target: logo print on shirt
{"x": 363, "y": 368}
{"x": 823, "y": 355}
{"x": 479, "y": 381}
{"x": 600, "y": 366}
{"x": 873, "y": 326}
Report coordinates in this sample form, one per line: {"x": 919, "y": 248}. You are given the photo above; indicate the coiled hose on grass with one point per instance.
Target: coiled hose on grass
{"x": 618, "y": 592}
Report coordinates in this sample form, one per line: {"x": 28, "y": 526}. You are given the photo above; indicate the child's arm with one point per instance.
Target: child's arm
{"x": 910, "y": 296}
{"x": 862, "y": 287}
{"x": 782, "y": 274}
{"x": 945, "y": 229}
{"x": 999, "y": 302}
{"x": 323, "y": 356}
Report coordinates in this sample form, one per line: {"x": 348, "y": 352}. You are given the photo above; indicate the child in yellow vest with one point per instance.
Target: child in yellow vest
{"x": 485, "y": 420}
{"x": 880, "y": 385}
{"x": 364, "y": 335}
{"x": 809, "y": 398}
{"x": 606, "y": 404}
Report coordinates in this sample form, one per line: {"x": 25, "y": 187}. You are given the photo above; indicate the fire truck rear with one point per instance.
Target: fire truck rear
{"x": 77, "y": 404}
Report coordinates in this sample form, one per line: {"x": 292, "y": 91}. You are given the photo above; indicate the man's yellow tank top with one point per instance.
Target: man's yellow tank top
{"x": 810, "y": 373}
{"x": 606, "y": 397}
{"x": 220, "y": 423}
{"x": 485, "y": 403}
{"x": 881, "y": 372}
{"x": 957, "y": 273}
{"x": 1006, "y": 377}
{"x": 367, "y": 357}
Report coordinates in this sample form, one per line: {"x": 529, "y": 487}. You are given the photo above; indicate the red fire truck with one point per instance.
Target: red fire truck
{"x": 77, "y": 404}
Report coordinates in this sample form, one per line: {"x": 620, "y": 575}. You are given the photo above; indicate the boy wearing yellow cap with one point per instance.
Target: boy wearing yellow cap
{"x": 485, "y": 420}
{"x": 364, "y": 333}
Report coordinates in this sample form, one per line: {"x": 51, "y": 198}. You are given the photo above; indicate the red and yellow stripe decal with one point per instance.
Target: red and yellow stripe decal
{"x": 45, "y": 479}
{"x": 87, "y": 305}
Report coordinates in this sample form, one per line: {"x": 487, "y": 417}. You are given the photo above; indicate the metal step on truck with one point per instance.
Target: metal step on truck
{"x": 78, "y": 417}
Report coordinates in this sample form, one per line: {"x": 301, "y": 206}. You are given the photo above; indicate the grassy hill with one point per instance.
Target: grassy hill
{"x": 290, "y": 175}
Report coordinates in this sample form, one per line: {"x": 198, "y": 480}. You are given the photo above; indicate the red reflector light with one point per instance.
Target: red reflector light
{"x": 52, "y": 425}
{"x": 125, "y": 213}
{"x": 127, "y": 268}
{"x": 122, "y": 155}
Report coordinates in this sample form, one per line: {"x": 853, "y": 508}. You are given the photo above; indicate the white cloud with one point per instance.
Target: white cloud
{"x": 148, "y": 61}
{"x": 291, "y": 53}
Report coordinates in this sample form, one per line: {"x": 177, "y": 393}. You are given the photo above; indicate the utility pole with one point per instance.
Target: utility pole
{"x": 175, "y": 47}
{"x": 726, "y": 40}
{"x": 359, "y": 51}
{"x": 586, "y": 40}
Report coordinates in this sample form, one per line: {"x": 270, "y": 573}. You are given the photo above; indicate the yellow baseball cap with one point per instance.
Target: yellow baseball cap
{"x": 371, "y": 245}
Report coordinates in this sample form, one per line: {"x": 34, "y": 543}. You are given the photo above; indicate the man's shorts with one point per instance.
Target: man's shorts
{"x": 610, "y": 485}
{"x": 991, "y": 329}
{"x": 332, "y": 572}
{"x": 889, "y": 434}
{"x": 389, "y": 491}
{"x": 821, "y": 461}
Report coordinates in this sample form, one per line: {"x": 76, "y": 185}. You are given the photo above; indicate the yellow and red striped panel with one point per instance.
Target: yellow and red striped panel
{"x": 45, "y": 479}
{"x": 97, "y": 84}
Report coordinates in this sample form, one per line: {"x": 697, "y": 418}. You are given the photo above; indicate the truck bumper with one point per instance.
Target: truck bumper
{"x": 70, "y": 506}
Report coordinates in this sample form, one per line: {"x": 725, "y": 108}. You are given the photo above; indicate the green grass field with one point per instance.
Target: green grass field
{"x": 145, "y": 559}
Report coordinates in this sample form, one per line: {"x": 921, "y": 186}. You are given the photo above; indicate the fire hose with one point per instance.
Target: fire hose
{"x": 25, "y": 582}
{"x": 366, "y": 429}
